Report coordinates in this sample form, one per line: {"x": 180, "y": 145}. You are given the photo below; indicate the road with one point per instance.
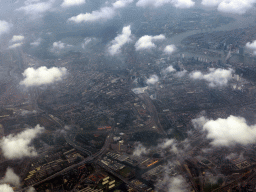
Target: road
{"x": 118, "y": 176}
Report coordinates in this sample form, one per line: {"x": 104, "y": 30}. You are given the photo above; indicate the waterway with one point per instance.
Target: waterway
{"x": 240, "y": 22}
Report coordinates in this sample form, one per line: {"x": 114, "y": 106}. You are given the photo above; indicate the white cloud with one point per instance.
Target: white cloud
{"x": 70, "y": 3}
{"x": 15, "y": 45}
{"x": 167, "y": 70}
{"x": 36, "y": 7}
{"x": 17, "y": 38}
{"x": 18, "y": 146}
{"x": 252, "y": 46}
{"x": 11, "y": 177}
{"x": 4, "y": 27}
{"x": 42, "y": 76}
{"x": 58, "y": 45}
{"x": 139, "y": 150}
{"x": 36, "y": 42}
{"x": 120, "y": 40}
{"x": 230, "y": 6}
{"x": 153, "y": 79}
{"x": 180, "y": 73}
{"x": 158, "y": 3}
{"x": 6, "y": 188}
{"x": 122, "y": 3}
{"x": 177, "y": 184}
{"x": 169, "y": 49}
{"x": 230, "y": 131}
{"x": 103, "y": 14}
{"x": 215, "y": 77}
{"x": 31, "y": 189}
{"x": 146, "y": 42}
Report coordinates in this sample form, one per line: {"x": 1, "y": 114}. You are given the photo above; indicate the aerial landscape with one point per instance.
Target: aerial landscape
{"x": 128, "y": 96}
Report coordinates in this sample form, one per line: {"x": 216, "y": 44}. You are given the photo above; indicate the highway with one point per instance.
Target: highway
{"x": 86, "y": 160}
{"x": 153, "y": 112}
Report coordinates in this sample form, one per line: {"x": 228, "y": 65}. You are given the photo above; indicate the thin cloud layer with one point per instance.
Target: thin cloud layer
{"x": 15, "y": 45}
{"x": 228, "y": 132}
{"x": 169, "y": 49}
{"x": 251, "y": 46}
{"x": 215, "y": 77}
{"x": 153, "y": 79}
{"x": 178, "y": 184}
{"x": 4, "y": 27}
{"x": 36, "y": 7}
{"x": 158, "y": 3}
{"x": 42, "y": 76}
{"x": 102, "y": 14}
{"x": 146, "y": 42}
{"x": 70, "y": 3}
{"x": 120, "y": 40}
{"x": 230, "y": 6}
{"x": 18, "y": 146}
{"x": 36, "y": 43}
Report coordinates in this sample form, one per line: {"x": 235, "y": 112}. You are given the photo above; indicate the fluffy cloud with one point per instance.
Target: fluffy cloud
{"x": 230, "y": 6}
{"x": 11, "y": 177}
{"x": 6, "y": 188}
{"x": 153, "y": 79}
{"x": 120, "y": 40}
{"x": 4, "y": 27}
{"x": 157, "y": 3}
{"x": 230, "y": 131}
{"x": 169, "y": 49}
{"x": 169, "y": 143}
{"x": 139, "y": 150}
{"x": 36, "y": 7}
{"x": 102, "y": 14}
{"x": 215, "y": 77}
{"x": 18, "y": 146}
{"x": 17, "y": 38}
{"x": 251, "y": 46}
{"x": 42, "y": 76}
{"x": 145, "y": 42}
{"x": 69, "y": 3}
